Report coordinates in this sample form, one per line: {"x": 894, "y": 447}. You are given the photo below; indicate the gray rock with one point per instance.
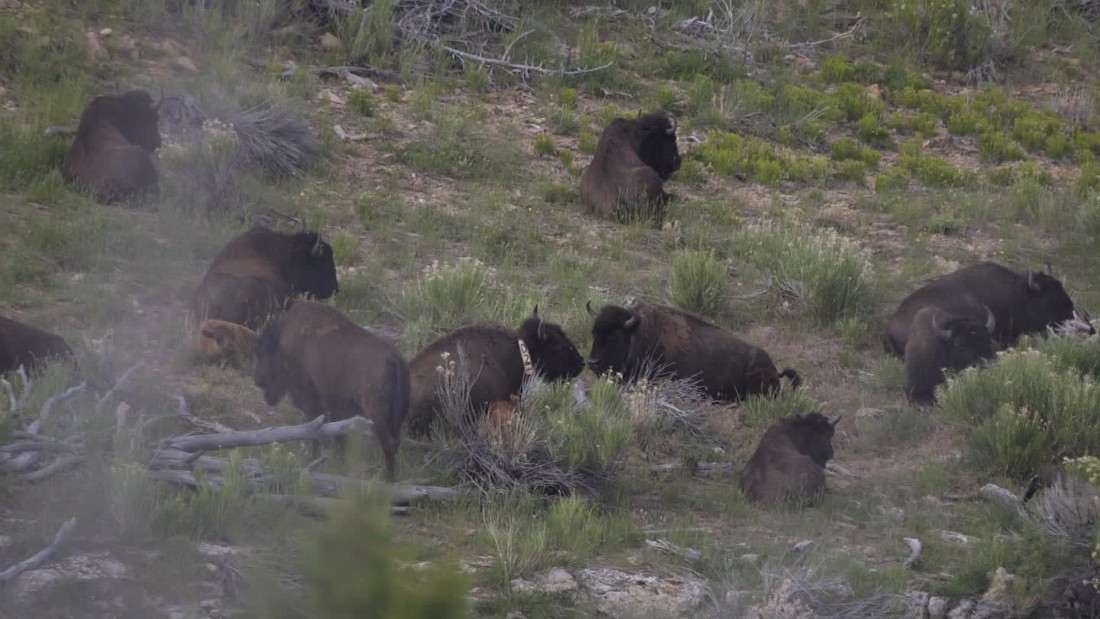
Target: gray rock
{"x": 937, "y": 607}
{"x": 74, "y": 568}
{"x": 616, "y": 593}
{"x": 554, "y": 580}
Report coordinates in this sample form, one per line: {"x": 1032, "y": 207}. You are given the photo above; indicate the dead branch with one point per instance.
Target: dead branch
{"x": 699, "y": 468}
{"x": 318, "y": 506}
{"x": 690, "y": 554}
{"x": 185, "y": 413}
{"x": 915, "y": 548}
{"x": 56, "y": 466}
{"x": 310, "y": 430}
{"x": 520, "y": 68}
{"x": 101, "y": 401}
{"x": 41, "y": 556}
{"x": 843, "y": 35}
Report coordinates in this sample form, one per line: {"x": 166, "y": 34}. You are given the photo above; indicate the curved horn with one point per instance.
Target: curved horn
{"x": 943, "y": 334}
{"x": 541, "y": 333}
{"x": 632, "y": 321}
{"x": 591, "y": 312}
{"x": 990, "y": 319}
{"x": 835, "y": 421}
{"x": 316, "y": 250}
{"x": 672, "y": 128}
{"x": 1031, "y": 281}
{"x": 1050, "y": 269}
{"x": 535, "y": 312}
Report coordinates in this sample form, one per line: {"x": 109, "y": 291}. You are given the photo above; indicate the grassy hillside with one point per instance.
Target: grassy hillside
{"x": 836, "y": 156}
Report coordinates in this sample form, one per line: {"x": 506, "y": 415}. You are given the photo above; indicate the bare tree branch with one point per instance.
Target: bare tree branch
{"x": 523, "y": 68}
{"x": 41, "y": 556}
{"x": 310, "y": 430}
{"x": 195, "y": 421}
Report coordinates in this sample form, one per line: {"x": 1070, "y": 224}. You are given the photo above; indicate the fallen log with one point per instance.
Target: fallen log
{"x": 310, "y": 430}
{"x": 41, "y": 556}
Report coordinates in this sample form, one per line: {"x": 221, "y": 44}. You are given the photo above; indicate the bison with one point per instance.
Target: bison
{"x": 332, "y": 367}
{"x": 220, "y": 340}
{"x": 1021, "y": 302}
{"x": 789, "y": 462}
{"x": 646, "y": 337}
{"x": 258, "y": 272}
{"x": 111, "y": 155}
{"x": 633, "y": 159}
{"x": 495, "y": 358}
{"x": 939, "y": 341}
{"x": 27, "y": 346}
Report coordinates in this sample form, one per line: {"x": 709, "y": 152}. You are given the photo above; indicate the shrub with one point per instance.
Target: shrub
{"x": 850, "y": 170}
{"x": 848, "y": 149}
{"x": 458, "y": 146}
{"x": 830, "y": 275}
{"x": 697, "y": 283}
{"x": 931, "y": 170}
{"x": 837, "y": 69}
{"x": 893, "y": 178}
{"x": 1025, "y": 411}
{"x": 730, "y": 154}
{"x": 995, "y": 147}
{"x": 1089, "y": 180}
{"x": 855, "y": 102}
{"x": 965, "y": 122}
{"x": 544, "y": 145}
{"x": 869, "y": 129}
{"x": 945, "y": 33}
{"x": 362, "y": 102}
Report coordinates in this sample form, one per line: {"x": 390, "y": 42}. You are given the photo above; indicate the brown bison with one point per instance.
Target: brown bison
{"x": 226, "y": 341}
{"x": 633, "y": 160}
{"x": 111, "y": 155}
{"x": 657, "y": 338}
{"x": 1021, "y": 302}
{"x": 258, "y": 272}
{"x": 332, "y": 367}
{"x": 495, "y": 362}
{"x": 940, "y": 341}
{"x": 789, "y": 463}
{"x": 27, "y": 346}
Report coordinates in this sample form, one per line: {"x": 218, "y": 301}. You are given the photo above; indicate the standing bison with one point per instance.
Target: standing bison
{"x": 494, "y": 357}
{"x": 27, "y": 346}
{"x": 1021, "y": 302}
{"x": 633, "y": 160}
{"x": 940, "y": 341}
{"x": 332, "y": 367}
{"x": 111, "y": 155}
{"x": 789, "y": 463}
{"x": 648, "y": 337}
{"x": 258, "y": 272}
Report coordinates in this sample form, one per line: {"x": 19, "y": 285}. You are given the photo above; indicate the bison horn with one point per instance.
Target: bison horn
{"x": 1088, "y": 315}
{"x": 990, "y": 319}
{"x": 1050, "y": 269}
{"x": 836, "y": 421}
{"x": 1031, "y": 281}
{"x": 591, "y": 312}
{"x": 316, "y": 251}
{"x": 632, "y": 321}
{"x": 542, "y": 330}
{"x": 672, "y": 127}
{"x": 943, "y": 334}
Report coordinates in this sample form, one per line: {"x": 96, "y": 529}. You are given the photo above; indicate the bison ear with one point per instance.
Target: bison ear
{"x": 591, "y": 312}
{"x": 632, "y": 322}
{"x": 535, "y": 312}
{"x": 1032, "y": 285}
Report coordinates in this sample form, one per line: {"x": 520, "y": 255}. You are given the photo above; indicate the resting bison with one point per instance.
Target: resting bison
{"x": 494, "y": 357}
{"x": 258, "y": 272}
{"x": 1021, "y": 302}
{"x": 111, "y": 155}
{"x": 220, "y": 340}
{"x": 940, "y": 341}
{"x": 27, "y": 346}
{"x": 648, "y": 337}
{"x": 789, "y": 463}
{"x": 332, "y": 367}
{"x": 633, "y": 159}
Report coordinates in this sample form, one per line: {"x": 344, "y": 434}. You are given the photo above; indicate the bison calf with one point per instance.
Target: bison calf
{"x": 941, "y": 341}
{"x": 27, "y": 346}
{"x": 649, "y": 337}
{"x": 111, "y": 155}
{"x": 258, "y": 272}
{"x": 1021, "y": 302}
{"x": 494, "y": 355}
{"x": 634, "y": 157}
{"x": 789, "y": 463}
{"x": 332, "y": 367}
{"x": 220, "y": 340}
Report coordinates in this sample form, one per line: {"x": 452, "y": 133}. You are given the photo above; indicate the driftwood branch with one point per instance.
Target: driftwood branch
{"x": 915, "y": 548}
{"x": 41, "y": 556}
{"x": 185, "y": 413}
{"x": 700, "y": 468}
{"x": 310, "y": 430}
{"x": 521, "y": 68}
{"x": 318, "y": 506}
{"x": 101, "y": 401}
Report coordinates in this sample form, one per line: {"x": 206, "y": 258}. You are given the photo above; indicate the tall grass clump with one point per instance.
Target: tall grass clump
{"x": 353, "y": 568}
{"x": 458, "y": 145}
{"x": 697, "y": 282}
{"x": 828, "y": 274}
{"x": 1024, "y": 412}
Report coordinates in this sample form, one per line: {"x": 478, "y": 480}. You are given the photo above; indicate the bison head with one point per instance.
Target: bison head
{"x": 964, "y": 342}
{"x": 138, "y": 123}
{"x": 271, "y": 374}
{"x": 1045, "y": 302}
{"x": 611, "y": 338}
{"x": 812, "y": 435}
{"x": 553, "y": 354}
{"x": 657, "y": 144}
{"x": 312, "y": 267}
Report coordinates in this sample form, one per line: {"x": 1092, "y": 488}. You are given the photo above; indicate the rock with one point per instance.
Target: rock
{"x": 621, "y": 594}
{"x": 95, "y": 47}
{"x": 555, "y": 580}
{"x": 955, "y": 537}
{"x": 750, "y": 558}
{"x": 330, "y": 42}
{"x": 515, "y": 614}
{"x": 73, "y": 568}
{"x": 870, "y": 414}
{"x": 184, "y": 63}
{"x": 996, "y": 494}
{"x": 106, "y": 32}
{"x": 937, "y": 607}
{"x": 783, "y": 602}
{"x": 173, "y": 48}
{"x": 131, "y": 46}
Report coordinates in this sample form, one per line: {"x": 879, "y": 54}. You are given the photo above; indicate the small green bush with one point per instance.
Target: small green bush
{"x": 850, "y": 170}
{"x": 869, "y": 129}
{"x": 362, "y": 102}
{"x": 965, "y": 122}
{"x": 923, "y": 123}
{"x": 1024, "y": 412}
{"x": 893, "y": 178}
{"x": 856, "y": 102}
{"x": 995, "y": 147}
{"x": 931, "y": 170}
{"x": 697, "y": 283}
{"x": 944, "y": 33}
{"x": 730, "y": 154}
{"x": 837, "y": 69}
{"x": 544, "y": 145}
{"x": 1089, "y": 180}
{"x": 845, "y": 149}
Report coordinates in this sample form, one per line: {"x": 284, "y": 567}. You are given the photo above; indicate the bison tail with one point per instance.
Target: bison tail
{"x": 793, "y": 376}
{"x": 390, "y": 433}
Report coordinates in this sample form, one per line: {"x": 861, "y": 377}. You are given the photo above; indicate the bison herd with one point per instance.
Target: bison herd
{"x": 249, "y": 310}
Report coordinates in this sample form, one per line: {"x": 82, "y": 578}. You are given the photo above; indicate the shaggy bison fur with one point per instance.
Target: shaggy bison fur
{"x": 27, "y": 346}
{"x": 634, "y": 157}
{"x": 940, "y": 341}
{"x": 257, "y": 273}
{"x": 657, "y": 338}
{"x": 330, "y": 366}
{"x": 789, "y": 463}
{"x": 494, "y": 364}
{"x": 111, "y": 155}
{"x": 226, "y": 341}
